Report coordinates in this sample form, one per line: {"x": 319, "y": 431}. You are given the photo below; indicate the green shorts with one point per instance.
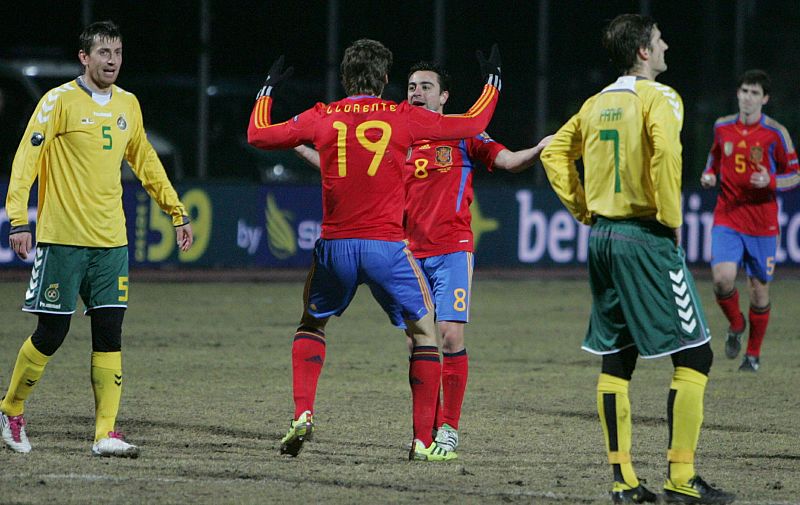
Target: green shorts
{"x": 642, "y": 292}
{"x": 60, "y": 273}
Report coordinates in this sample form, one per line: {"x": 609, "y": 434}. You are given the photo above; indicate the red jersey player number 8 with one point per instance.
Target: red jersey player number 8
{"x": 378, "y": 147}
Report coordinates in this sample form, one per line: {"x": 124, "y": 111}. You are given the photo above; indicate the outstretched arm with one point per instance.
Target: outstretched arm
{"x": 517, "y": 161}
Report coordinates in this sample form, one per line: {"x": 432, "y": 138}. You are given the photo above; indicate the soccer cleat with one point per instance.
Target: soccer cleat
{"x": 623, "y": 493}
{"x": 696, "y": 491}
{"x": 749, "y": 364}
{"x": 733, "y": 344}
{"x": 114, "y": 445}
{"x": 299, "y": 431}
{"x": 447, "y": 437}
{"x": 13, "y": 428}
{"x": 432, "y": 453}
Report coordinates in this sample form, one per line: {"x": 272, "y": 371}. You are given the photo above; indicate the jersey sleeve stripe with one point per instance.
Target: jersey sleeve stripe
{"x": 787, "y": 182}
{"x": 262, "y": 112}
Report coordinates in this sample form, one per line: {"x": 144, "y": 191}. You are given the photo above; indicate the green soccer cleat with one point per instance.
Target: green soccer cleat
{"x": 623, "y": 493}
{"x": 432, "y": 453}
{"x": 299, "y": 431}
{"x": 696, "y": 491}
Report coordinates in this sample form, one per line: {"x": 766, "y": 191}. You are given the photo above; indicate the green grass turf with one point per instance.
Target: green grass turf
{"x": 207, "y": 396}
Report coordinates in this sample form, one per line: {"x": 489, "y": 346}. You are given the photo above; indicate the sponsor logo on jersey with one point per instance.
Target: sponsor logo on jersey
{"x": 425, "y": 146}
{"x": 102, "y": 114}
{"x": 121, "y": 123}
{"x": 742, "y": 144}
{"x": 51, "y": 294}
{"x": 728, "y": 148}
{"x": 86, "y": 120}
{"x": 444, "y": 156}
{"x": 756, "y": 154}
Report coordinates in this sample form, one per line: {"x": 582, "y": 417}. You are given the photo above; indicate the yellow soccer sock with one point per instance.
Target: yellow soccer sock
{"x": 685, "y": 414}
{"x": 27, "y": 372}
{"x": 614, "y": 408}
{"x": 107, "y": 386}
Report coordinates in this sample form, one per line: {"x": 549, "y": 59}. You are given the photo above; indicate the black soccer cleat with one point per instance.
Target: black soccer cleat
{"x": 733, "y": 343}
{"x": 639, "y": 494}
{"x": 749, "y": 364}
{"x": 696, "y": 491}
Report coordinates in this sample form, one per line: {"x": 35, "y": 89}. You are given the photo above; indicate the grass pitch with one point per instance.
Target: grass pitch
{"x": 207, "y": 397}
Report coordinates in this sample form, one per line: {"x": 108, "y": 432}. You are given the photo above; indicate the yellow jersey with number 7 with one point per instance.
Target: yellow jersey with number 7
{"x": 75, "y": 146}
{"x": 629, "y": 138}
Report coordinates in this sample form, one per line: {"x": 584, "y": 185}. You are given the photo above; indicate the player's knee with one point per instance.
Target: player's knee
{"x": 107, "y": 329}
{"x": 621, "y": 364}
{"x": 50, "y": 333}
{"x": 696, "y": 358}
{"x": 452, "y": 337}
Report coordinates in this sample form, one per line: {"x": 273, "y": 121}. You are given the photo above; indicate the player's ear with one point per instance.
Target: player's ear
{"x": 643, "y": 53}
{"x": 443, "y": 96}
{"x": 83, "y": 57}
{"x": 386, "y": 78}
{"x": 765, "y": 100}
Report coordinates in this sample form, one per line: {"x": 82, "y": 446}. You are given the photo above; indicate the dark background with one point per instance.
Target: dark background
{"x": 162, "y": 47}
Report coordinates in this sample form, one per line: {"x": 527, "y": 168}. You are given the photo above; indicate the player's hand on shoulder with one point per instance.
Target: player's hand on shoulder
{"x": 708, "y": 181}
{"x": 276, "y": 76}
{"x": 544, "y": 142}
{"x": 490, "y": 67}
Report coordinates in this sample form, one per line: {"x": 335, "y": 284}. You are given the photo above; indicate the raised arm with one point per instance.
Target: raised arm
{"x": 261, "y": 132}
{"x": 433, "y": 126}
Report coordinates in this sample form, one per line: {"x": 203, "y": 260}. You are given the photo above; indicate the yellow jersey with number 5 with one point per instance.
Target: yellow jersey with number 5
{"x": 629, "y": 138}
{"x": 75, "y": 146}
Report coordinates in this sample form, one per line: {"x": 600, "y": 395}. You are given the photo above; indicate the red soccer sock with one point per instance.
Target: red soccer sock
{"x": 759, "y": 319}
{"x": 308, "y": 356}
{"x": 424, "y": 375}
{"x": 455, "y": 369}
{"x": 729, "y": 304}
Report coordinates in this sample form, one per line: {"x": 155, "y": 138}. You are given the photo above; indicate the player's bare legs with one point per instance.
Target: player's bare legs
{"x": 308, "y": 357}
{"x": 759, "y": 319}
{"x": 724, "y": 277}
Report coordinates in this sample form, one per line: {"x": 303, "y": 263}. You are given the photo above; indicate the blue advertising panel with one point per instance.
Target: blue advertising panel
{"x": 276, "y": 226}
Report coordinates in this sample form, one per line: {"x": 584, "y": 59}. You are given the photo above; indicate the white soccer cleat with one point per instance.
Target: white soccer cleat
{"x": 114, "y": 445}
{"x": 13, "y": 428}
{"x": 447, "y": 438}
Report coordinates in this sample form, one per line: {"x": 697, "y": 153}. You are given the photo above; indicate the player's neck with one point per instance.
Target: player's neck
{"x": 750, "y": 119}
{"x": 93, "y": 87}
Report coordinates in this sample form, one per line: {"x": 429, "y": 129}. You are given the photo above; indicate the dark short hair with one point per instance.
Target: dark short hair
{"x": 441, "y": 73}
{"x": 756, "y": 76}
{"x": 98, "y": 30}
{"x": 364, "y": 65}
{"x": 624, "y": 36}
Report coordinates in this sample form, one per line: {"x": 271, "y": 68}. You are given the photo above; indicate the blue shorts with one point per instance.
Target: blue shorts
{"x": 450, "y": 278}
{"x": 757, "y": 254}
{"x": 388, "y": 268}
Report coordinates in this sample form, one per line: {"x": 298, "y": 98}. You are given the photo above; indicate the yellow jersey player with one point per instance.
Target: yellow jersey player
{"x": 644, "y": 298}
{"x": 74, "y": 144}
